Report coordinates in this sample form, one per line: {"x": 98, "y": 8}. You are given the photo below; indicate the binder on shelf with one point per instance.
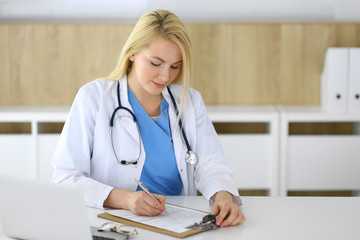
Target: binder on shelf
{"x": 354, "y": 81}
{"x": 334, "y": 81}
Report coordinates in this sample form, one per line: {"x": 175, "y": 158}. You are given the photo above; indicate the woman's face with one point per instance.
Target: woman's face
{"x": 155, "y": 67}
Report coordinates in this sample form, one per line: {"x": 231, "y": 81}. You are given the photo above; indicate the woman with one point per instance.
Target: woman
{"x": 154, "y": 121}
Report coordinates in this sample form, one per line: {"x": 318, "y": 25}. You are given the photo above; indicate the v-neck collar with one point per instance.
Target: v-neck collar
{"x": 145, "y": 120}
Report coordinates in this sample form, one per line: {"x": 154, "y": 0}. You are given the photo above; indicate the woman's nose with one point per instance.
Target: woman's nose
{"x": 164, "y": 74}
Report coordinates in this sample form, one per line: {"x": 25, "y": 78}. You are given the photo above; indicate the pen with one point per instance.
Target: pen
{"x": 143, "y": 187}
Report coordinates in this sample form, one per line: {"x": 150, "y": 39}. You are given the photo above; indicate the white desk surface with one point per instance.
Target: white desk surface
{"x": 275, "y": 218}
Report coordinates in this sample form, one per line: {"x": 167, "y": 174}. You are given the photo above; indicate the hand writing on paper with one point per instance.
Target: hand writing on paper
{"x": 140, "y": 203}
{"x": 228, "y": 213}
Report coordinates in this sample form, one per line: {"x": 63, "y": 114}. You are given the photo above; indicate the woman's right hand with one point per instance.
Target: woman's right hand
{"x": 140, "y": 203}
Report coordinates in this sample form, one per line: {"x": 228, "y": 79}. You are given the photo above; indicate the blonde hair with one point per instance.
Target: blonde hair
{"x": 149, "y": 26}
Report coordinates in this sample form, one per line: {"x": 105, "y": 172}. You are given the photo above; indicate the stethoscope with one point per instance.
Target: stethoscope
{"x": 190, "y": 156}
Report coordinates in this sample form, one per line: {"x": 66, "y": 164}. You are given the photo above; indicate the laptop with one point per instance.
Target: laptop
{"x": 37, "y": 210}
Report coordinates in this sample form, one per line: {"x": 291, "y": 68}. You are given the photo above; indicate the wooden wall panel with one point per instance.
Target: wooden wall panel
{"x": 47, "y": 63}
{"x": 234, "y": 63}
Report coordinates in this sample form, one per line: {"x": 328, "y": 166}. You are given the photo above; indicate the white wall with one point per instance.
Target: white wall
{"x": 187, "y": 10}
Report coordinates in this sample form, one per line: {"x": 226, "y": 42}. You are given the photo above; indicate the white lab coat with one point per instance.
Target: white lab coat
{"x": 84, "y": 156}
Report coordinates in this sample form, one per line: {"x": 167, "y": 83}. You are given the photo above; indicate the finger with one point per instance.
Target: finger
{"x": 145, "y": 205}
{"x": 242, "y": 219}
{"x": 229, "y": 219}
{"x": 154, "y": 204}
{"x": 224, "y": 211}
{"x": 148, "y": 210}
{"x": 161, "y": 198}
{"x": 215, "y": 209}
{"x": 239, "y": 218}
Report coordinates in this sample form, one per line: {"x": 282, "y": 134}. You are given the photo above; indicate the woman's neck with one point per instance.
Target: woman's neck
{"x": 151, "y": 103}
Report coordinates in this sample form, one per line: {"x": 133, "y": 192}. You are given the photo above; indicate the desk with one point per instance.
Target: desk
{"x": 275, "y": 218}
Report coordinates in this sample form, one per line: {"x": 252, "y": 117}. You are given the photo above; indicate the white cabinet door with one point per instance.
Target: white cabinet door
{"x": 47, "y": 144}
{"x": 17, "y": 155}
{"x": 249, "y": 156}
{"x": 324, "y": 162}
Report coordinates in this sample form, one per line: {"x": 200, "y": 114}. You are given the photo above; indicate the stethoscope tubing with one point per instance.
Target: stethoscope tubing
{"x": 120, "y": 107}
{"x": 191, "y": 156}
{"x": 180, "y": 122}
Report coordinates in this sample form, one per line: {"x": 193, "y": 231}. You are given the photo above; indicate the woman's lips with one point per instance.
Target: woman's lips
{"x": 159, "y": 85}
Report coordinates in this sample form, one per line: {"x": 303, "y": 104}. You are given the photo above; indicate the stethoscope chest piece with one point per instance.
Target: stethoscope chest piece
{"x": 191, "y": 158}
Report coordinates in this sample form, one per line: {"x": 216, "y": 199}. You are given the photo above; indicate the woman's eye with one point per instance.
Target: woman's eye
{"x": 155, "y": 64}
{"x": 175, "y": 67}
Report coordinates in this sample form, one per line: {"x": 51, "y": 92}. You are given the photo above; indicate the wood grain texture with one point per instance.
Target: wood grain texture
{"x": 234, "y": 63}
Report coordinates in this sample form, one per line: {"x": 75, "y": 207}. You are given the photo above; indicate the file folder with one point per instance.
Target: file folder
{"x": 334, "y": 81}
{"x": 354, "y": 81}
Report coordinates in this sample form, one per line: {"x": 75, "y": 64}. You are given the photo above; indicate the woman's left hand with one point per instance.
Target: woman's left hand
{"x": 228, "y": 213}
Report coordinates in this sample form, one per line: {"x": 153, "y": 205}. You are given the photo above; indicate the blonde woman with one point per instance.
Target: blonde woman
{"x": 144, "y": 122}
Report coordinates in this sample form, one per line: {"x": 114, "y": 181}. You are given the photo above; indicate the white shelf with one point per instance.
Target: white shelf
{"x": 273, "y": 161}
{"x": 234, "y": 113}
{"x": 318, "y": 162}
{"x": 34, "y": 113}
{"x": 315, "y": 114}
{"x": 31, "y": 155}
{"x": 253, "y": 157}
{"x": 17, "y": 151}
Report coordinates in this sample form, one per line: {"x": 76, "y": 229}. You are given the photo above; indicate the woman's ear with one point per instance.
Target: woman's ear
{"x": 132, "y": 58}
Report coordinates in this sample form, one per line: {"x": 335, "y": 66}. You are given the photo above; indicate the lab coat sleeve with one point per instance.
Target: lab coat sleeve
{"x": 211, "y": 173}
{"x": 73, "y": 153}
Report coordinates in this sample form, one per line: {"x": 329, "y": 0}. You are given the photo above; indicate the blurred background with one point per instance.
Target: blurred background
{"x": 246, "y": 52}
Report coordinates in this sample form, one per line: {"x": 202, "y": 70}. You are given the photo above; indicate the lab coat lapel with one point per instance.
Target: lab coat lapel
{"x": 179, "y": 147}
{"x": 124, "y": 93}
{"x": 125, "y": 103}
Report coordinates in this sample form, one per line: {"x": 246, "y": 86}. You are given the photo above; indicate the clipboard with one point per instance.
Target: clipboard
{"x": 129, "y": 222}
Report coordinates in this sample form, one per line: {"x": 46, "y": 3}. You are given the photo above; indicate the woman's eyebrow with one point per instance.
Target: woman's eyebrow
{"x": 160, "y": 59}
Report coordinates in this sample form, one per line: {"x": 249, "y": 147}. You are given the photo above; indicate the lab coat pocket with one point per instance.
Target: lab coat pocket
{"x": 126, "y": 139}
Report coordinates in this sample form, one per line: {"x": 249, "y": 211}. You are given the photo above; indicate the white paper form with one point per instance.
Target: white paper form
{"x": 176, "y": 220}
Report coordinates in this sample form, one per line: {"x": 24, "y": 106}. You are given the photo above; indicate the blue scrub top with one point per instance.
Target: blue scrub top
{"x": 160, "y": 173}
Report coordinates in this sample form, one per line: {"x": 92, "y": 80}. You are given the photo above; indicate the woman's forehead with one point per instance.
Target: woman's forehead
{"x": 165, "y": 49}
